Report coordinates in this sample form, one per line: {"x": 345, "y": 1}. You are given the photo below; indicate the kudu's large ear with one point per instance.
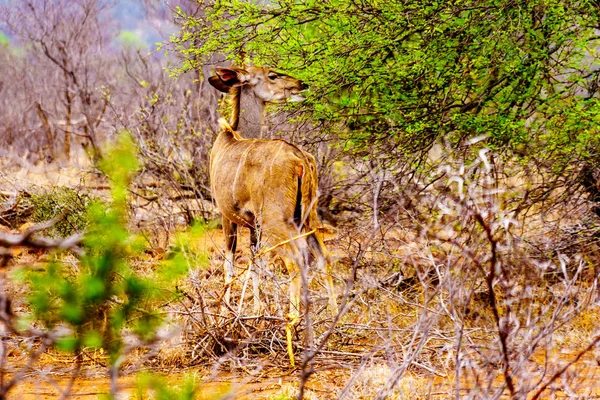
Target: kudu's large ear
{"x": 227, "y": 78}
{"x": 218, "y": 84}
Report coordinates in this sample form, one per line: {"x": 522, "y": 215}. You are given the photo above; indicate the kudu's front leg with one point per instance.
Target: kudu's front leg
{"x": 230, "y": 232}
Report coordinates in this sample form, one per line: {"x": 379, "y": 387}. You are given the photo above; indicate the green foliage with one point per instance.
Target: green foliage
{"x": 104, "y": 296}
{"x": 404, "y": 74}
{"x": 62, "y": 200}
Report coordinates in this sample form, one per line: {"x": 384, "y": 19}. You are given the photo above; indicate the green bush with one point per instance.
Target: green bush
{"x": 71, "y": 203}
{"x": 396, "y": 76}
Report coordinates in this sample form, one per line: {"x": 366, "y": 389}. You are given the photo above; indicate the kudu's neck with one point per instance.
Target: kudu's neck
{"x": 248, "y": 114}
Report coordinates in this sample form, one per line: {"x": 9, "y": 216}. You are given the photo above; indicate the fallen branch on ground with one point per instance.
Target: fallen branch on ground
{"x": 27, "y": 238}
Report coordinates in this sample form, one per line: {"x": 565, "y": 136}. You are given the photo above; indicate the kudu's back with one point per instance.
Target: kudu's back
{"x": 264, "y": 184}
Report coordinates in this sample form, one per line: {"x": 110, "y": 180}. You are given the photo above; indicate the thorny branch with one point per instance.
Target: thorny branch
{"x": 29, "y": 239}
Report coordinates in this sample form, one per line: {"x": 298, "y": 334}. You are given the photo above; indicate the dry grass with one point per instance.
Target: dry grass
{"x": 377, "y": 326}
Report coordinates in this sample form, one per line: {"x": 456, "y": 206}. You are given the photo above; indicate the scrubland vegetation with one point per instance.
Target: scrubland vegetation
{"x": 457, "y": 148}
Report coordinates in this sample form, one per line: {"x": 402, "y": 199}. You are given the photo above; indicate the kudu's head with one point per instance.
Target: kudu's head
{"x": 267, "y": 85}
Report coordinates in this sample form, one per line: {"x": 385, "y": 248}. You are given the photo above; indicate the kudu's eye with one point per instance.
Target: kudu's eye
{"x": 273, "y": 76}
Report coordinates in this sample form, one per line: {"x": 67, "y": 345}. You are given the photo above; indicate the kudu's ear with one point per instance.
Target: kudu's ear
{"x": 233, "y": 76}
{"x": 218, "y": 84}
{"x": 227, "y": 78}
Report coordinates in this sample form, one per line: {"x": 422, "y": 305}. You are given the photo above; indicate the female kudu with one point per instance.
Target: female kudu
{"x": 269, "y": 186}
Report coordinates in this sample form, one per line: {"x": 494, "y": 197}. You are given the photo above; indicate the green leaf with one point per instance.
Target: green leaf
{"x": 92, "y": 339}
{"x": 67, "y": 343}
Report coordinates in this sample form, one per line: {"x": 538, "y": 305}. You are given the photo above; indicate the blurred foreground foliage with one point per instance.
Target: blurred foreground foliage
{"x": 165, "y": 390}
{"x": 104, "y": 303}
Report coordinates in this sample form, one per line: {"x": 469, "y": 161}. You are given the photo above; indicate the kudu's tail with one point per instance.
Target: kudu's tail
{"x": 305, "y": 213}
{"x": 302, "y": 194}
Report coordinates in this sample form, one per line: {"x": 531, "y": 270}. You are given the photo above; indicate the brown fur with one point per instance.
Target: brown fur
{"x": 255, "y": 183}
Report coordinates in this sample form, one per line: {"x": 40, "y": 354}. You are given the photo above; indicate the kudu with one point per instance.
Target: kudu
{"x": 269, "y": 186}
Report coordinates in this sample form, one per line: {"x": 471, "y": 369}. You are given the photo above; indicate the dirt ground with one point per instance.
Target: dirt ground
{"x": 323, "y": 386}
{"x": 92, "y": 388}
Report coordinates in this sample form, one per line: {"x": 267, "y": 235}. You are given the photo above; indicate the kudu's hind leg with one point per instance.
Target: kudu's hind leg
{"x": 230, "y": 232}
{"x": 324, "y": 264}
{"x": 294, "y": 314}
